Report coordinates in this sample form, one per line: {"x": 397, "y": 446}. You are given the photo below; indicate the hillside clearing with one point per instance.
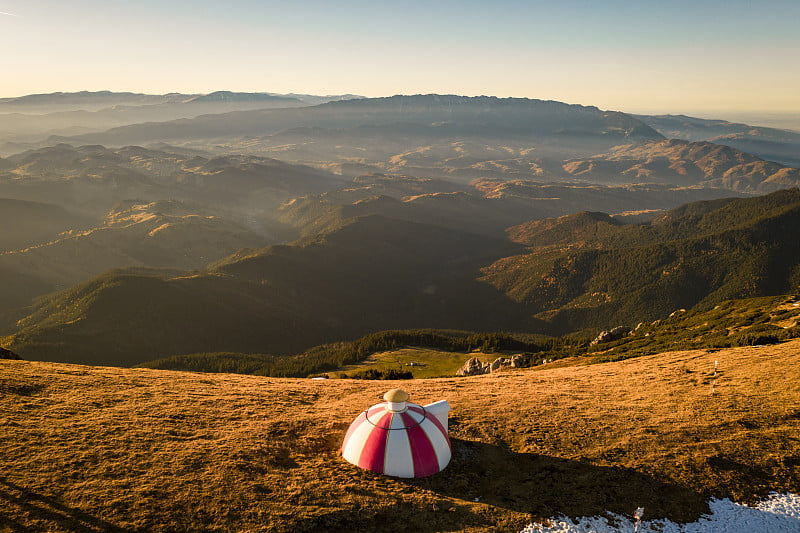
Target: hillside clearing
{"x": 109, "y": 449}
{"x": 421, "y": 362}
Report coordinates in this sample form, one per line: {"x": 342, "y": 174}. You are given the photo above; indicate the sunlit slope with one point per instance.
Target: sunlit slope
{"x": 117, "y": 449}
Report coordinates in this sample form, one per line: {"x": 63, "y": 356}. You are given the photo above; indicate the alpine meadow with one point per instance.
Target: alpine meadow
{"x": 524, "y": 267}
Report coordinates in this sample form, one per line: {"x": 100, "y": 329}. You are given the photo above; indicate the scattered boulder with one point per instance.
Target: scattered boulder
{"x": 473, "y": 367}
{"x": 8, "y": 354}
{"x": 499, "y": 363}
{"x": 517, "y": 361}
{"x": 611, "y": 335}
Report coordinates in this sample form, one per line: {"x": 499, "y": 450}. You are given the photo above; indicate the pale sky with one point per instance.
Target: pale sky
{"x": 650, "y": 56}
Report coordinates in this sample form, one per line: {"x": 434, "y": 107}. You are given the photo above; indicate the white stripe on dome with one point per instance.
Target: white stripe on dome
{"x": 376, "y": 414}
{"x": 356, "y": 443}
{"x": 351, "y": 430}
{"x": 416, "y": 416}
{"x": 398, "y": 461}
{"x": 441, "y": 447}
{"x": 375, "y": 411}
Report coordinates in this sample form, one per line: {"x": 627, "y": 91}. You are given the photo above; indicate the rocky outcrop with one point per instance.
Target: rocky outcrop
{"x": 499, "y": 363}
{"x": 476, "y": 367}
{"x": 473, "y": 367}
{"x": 8, "y": 354}
{"x": 611, "y": 335}
{"x": 518, "y": 361}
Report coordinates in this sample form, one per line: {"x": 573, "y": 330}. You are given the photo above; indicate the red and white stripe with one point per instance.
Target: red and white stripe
{"x": 411, "y": 443}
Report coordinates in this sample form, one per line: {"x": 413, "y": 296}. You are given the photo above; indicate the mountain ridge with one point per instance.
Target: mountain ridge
{"x": 393, "y": 109}
{"x": 34, "y": 120}
{"x": 699, "y": 163}
{"x": 629, "y": 273}
{"x": 774, "y": 144}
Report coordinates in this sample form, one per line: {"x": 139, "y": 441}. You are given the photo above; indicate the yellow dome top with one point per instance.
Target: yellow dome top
{"x": 396, "y": 396}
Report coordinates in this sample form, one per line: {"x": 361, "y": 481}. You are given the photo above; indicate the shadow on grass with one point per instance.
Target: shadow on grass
{"x": 399, "y": 516}
{"x": 545, "y": 486}
{"x": 43, "y": 513}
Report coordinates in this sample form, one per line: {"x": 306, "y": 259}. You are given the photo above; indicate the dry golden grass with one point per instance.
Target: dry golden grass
{"x": 107, "y": 449}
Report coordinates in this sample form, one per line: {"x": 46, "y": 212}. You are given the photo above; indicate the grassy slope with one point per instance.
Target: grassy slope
{"x": 92, "y": 448}
{"x": 751, "y": 321}
{"x": 435, "y": 363}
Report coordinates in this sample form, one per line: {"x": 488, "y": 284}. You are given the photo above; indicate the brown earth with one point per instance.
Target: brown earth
{"x": 108, "y": 449}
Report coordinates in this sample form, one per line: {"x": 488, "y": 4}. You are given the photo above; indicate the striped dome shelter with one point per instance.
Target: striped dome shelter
{"x": 400, "y": 438}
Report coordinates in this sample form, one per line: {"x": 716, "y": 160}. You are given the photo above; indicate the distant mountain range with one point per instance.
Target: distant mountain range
{"x": 30, "y": 120}
{"x": 445, "y": 136}
{"x": 464, "y": 138}
{"x": 773, "y": 144}
{"x": 342, "y": 130}
{"x": 84, "y": 100}
{"x": 105, "y": 208}
{"x": 99, "y": 100}
{"x": 686, "y": 163}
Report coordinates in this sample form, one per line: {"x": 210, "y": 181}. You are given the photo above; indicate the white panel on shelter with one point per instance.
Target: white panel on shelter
{"x": 356, "y": 443}
{"x": 398, "y": 461}
{"x": 439, "y": 441}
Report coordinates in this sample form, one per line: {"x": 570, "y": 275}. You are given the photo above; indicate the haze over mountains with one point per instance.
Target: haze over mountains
{"x": 91, "y": 179}
{"x": 265, "y": 223}
{"x": 36, "y": 117}
{"x": 686, "y": 163}
{"x": 779, "y": 145}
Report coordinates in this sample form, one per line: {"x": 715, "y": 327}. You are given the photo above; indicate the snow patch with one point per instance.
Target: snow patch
{"x": 779, "y": 513}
